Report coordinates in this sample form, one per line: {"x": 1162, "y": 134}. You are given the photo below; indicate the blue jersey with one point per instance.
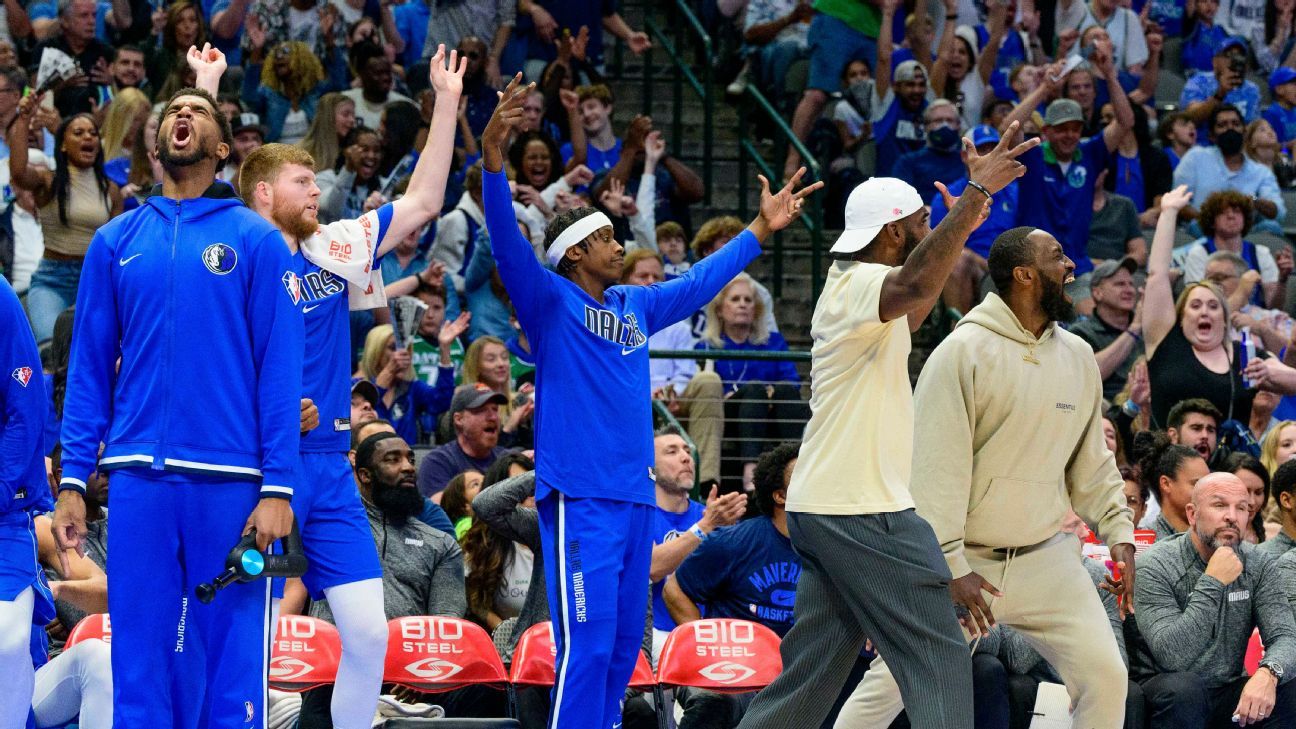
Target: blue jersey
{"x": 326, "y": 364}
{"x": 598, "y": 160}
{"x": 1282, "y": 120}
{"x": 670, "y": 525}
{"x": 199, "y": 300}
{"x": 748, "y": 571}
{"x": 1003, "y": 215}
{"x": 23, "y": 408}
{"x": 593, "y": 422}
{"x": 1061, "y": 203}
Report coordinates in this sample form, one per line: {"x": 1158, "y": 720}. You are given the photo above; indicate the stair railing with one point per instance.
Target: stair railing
{"x": 686, "y": 25}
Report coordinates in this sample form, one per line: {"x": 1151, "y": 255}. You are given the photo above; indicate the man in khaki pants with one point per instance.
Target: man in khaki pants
{"x": 1008, "y": 438}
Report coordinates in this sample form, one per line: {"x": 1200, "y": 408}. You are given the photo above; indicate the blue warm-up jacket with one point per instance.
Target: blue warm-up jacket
{"x": 23, "y": 405}
{"x": 199, "y": 299}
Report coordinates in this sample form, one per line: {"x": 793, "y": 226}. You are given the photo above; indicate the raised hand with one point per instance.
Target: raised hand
{"x": 570, "y": 100}
{"x": 579, "y": 175}
{"x": 951, "y": 201}
{"x": 654, "y": 150}
{"x": 446, "y": 76}
{"x": 1176, "y": 200}
{"x": 28, "y": 105}
{"x": 638, "y": 130}
{"x": 999, "y": 167}
{"x": 580, "y": 43}
{"x": 545, "y": 25}
{"x": 508, "y": 115}
{"x": 452, "y": 330}
{"x": 208, "y": 66}
{"x": 638, "y": 42}
{"x": 778, "y": 210}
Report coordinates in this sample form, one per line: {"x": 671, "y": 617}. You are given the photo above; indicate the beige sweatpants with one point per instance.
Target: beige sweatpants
{"x": 702, "y": 410}
{"x": 1050, "y": 599}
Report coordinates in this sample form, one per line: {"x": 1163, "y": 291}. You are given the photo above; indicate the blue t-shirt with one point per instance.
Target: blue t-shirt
{"x": 1203, "y": 85}
{"x": 897, "y": 131}
{"x": 1199, "y": 47}
{"x": 1282, "y": 120}
{"x": 326, "y": 364}
{"x": 598, "y": 160}
{"x": 1062, "y": 203}
{"x": 736, "y": 372}
{"x": 52, "y": 420}
{"x": 411, "y": 19}
{"x": 669, "y": 526}
{"x": 1003, "y": 215}
{"x": 748, "y": 571}
{"x": 1129, "y": 181}
{"x": 924, "y": 168}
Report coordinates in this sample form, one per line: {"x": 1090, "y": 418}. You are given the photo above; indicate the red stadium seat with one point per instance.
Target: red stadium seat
{"x": 533, "y": 659}
{"x": 435, "y": 654}
{"x": 643, "y": 679}
{"x": 91, "y": 626}
{"x": 305, "y": 654}
{"x": 722, "y": 655}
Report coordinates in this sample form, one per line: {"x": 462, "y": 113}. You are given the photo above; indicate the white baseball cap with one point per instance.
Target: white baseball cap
{"x": 871, "y": 205}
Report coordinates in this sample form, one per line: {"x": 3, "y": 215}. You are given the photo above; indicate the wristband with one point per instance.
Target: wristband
{"x": 1137, "y": 338}
{"x": 696, "y": 530}
{"x": 980, "y": 188}
{"x": 1131, "y": 408}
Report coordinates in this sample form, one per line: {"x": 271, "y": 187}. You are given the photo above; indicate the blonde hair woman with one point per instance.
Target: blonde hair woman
{"x": 411, "y": 405}
{"x": 126, "y": 115}
{"x": 487, "y": 361}
{"x": 763, "y": 397}
{"x": 334, "y": 119}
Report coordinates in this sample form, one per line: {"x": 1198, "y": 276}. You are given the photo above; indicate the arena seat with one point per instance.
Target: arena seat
{"x": 305, "y": 654}
{"x": 722, "y": 655}
{"x": 533, "y": 658}
{"x": 436, "y": 654}
{"x": 643, "y": 679}
{"x": 91, "y": 626}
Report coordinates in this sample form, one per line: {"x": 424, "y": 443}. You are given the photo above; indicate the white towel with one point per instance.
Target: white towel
{"x": 347, "y": 248}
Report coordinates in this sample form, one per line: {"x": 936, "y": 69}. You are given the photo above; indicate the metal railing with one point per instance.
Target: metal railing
{"x": 754, "y": 101}
{"x": 685, "y": 23}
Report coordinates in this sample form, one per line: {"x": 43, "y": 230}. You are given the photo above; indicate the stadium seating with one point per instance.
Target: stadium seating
{"x": 305, "y": 654}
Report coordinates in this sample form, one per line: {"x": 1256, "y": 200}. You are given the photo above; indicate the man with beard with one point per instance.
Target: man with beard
{"x": 1200, "y": 596}
{"x": 278, "y": 182}
{"x": 1006, "y": 374}
{"x": 422, "y": 568}
{"x": 196, "y": 298}
{"x": 870, "y": 567}
{"x": 1195, "y": 423}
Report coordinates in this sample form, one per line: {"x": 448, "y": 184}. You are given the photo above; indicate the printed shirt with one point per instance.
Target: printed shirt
{"x": 748, "y": 571}
{"x": 670, "y": 525}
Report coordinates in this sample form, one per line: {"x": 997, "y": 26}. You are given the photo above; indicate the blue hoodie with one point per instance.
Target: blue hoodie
{"x": 199, "y": 299}
{"x": 22, "y": 411}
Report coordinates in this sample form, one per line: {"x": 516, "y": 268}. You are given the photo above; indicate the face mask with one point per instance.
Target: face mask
{"x": 943, "y": 139}
{"x": 1230, "y": 142}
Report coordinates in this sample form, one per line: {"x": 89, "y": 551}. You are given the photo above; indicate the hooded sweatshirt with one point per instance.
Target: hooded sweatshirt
{"x": 1008, "y": 437}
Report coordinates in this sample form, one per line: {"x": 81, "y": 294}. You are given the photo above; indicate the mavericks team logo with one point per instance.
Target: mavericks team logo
{"x": 623, "y": 331}
{"x": 219, "y": 258}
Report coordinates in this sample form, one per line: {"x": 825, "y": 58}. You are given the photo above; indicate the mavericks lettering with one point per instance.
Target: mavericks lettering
{"x": 605, "y": 325}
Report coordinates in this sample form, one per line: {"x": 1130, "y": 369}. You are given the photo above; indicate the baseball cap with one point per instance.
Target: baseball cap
{"x": 983, "y": 134}
{"x": 909, "y": 71}
{"x": 1109, "y": 268}
{"x": 1230, "y": 41}
{"x": 871, "y": 205}
{"x": 367, "y": 390}
{"x": 471, "y": 397}
{"x": 1062, "y": 111}
{"x": 1282, "y": 75}
{"x": 247, "y": 120}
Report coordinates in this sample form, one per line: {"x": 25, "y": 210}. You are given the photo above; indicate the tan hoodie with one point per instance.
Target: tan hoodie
{"x": 1008, "y": 436}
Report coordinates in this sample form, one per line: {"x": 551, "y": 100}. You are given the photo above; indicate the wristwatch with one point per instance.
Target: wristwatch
{"x": 1274, "y": 667}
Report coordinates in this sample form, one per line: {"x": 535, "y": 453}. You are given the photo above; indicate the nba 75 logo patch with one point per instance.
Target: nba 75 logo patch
{"x": 23, "y": 375}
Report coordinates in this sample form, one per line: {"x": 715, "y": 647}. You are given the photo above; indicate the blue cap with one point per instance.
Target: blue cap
{"x": 983, "y": 134}
{"x": 1281, "y": 75}
{"x": 1230, "y": 41}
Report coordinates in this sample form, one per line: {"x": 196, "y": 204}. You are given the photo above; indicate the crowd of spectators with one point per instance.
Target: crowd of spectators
{"x": 1188, "y": 314}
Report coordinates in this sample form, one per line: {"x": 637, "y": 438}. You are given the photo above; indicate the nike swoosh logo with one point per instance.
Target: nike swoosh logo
{"x": 124, "y": 261}
{"x": 625, "y": 351}
{"x": 309, "y": 309}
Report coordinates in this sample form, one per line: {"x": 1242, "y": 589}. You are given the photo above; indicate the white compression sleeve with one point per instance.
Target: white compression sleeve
{"x": 358, "y": 614}
{"x": 15, "y": 658}
{"x": 77, "y": 681}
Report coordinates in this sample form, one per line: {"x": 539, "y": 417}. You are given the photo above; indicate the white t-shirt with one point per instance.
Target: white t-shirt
{"x": 515, "y": 583}
{"x": 1194, "y": 267}
{"x": 295, "y": 126}
{"x": 303, "y": 25}
{"x": 845, "y": 113}
{"x": 972, "y": 93}
{"x": 856, "y": 455}
{"x": 371, "y": 114}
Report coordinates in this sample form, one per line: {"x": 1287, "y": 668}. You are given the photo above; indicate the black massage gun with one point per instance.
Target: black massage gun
{"x": 246, "y": 563}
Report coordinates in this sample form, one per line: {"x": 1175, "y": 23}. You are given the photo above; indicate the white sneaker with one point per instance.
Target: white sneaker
{"x": 739, "y": 84}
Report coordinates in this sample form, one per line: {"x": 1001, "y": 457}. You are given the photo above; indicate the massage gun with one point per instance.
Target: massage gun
{"x": 246, "y": 563}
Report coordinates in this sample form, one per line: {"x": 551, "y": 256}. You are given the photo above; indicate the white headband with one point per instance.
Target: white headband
{"x": 575, "y": 233}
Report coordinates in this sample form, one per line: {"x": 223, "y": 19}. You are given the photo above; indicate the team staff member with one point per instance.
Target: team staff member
{"x": 594, "y": 490}
{"x": 870, "y": 567}
{"x": 278, "y": 182}
{"x": 197, "y": 297}
{"x": 24, "y": 597}
{"x": 1008, "y": 371}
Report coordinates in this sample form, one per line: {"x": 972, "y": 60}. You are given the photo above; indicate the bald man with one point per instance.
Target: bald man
{"x": 1199, "y": 596}
{"x": 1007, "y": 374}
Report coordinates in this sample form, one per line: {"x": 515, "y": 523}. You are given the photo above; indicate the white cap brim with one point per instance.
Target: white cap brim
{"x": 851, "y": 241}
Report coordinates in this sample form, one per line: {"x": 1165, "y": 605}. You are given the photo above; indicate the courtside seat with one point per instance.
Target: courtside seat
{"x": 435, "y": 654}
{"x": 305, "y": 654}
{"x": 722, "y": 655}
{"x": 91, "y": 626}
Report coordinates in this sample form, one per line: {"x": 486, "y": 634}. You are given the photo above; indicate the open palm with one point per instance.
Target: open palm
{"x": 447, "y": 77}
{"x": 779, "y": 209}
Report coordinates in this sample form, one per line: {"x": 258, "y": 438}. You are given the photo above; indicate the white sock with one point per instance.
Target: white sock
{"x": 358, "y": 614}
{"x": 17, "y": 675}
{"x": 77, "y": 681}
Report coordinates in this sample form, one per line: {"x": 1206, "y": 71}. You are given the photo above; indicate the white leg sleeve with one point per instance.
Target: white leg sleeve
{"x": 17, "y": 675}
{"x": 358, "y": 613}
{"x": 77, "y": 681}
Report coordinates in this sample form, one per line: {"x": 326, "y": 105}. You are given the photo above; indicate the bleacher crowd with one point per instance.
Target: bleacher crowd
{"x": 1191, "y": 327}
